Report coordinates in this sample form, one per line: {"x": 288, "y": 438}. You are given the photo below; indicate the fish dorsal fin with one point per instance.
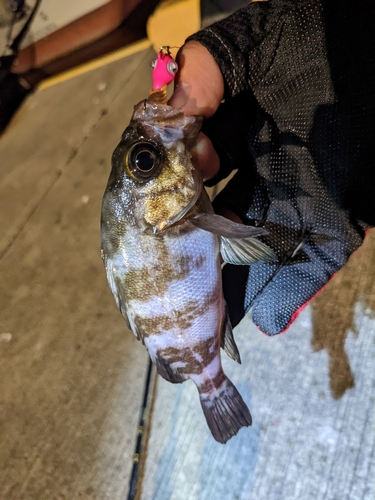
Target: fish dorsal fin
{"x": 227, "y": 340}
{"x": 117, "y": 290}
{"x": 167, "y": 371}
{"x": 237, "y": 242}
{"x": 138, "y": 332}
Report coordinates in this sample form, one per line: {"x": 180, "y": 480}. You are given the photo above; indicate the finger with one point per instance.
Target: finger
{"x": 205, "y": 158}
{"x": 199, "y": 82}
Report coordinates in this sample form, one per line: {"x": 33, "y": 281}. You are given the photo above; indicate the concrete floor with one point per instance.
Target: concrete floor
{"x": 72, "y": 376}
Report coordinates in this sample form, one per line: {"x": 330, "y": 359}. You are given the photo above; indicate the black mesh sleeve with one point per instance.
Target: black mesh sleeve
{"x": 236, "y": 43}
{"x": 299, "y": 78}
{"x": 298, "y": 122}
{"x": 232, "y": 40}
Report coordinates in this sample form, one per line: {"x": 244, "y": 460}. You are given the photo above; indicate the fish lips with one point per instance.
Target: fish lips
{"x": 165, "y": 124}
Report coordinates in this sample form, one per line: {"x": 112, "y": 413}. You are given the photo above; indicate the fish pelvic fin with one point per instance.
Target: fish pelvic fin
{"x": 245, "y": 251}
{"x": 225, "y": 411}
{"x": 167, "y": 372}
{"x": 227, "y": 340}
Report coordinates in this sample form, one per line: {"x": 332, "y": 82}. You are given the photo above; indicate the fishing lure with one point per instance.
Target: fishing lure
{"x": 163, "y": 73}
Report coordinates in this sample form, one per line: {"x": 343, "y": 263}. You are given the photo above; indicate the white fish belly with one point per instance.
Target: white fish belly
{"x": 178, "y": 310}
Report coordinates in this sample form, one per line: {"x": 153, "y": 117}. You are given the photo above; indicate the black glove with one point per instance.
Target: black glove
{"x": 298, "y": 123}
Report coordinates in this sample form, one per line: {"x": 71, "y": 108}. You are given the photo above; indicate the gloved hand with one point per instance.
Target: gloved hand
{"x": 299, "y": 141}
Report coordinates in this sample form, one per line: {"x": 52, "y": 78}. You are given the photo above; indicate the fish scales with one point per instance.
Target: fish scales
{"x": 161, "y": 251}
{"x": 181, "y": 278}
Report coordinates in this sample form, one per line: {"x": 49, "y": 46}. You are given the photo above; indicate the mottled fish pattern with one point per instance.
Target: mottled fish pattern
{"x": 160, "y": 246}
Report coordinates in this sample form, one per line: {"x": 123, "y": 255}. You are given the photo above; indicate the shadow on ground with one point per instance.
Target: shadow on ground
{"x": 334, "y": 313}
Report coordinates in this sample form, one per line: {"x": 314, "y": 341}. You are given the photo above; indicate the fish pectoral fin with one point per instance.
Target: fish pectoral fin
{"x": 222, "y": 226}
{"x": 227, "y": 340}
{"x": 167, "y": 372}
{"x": 237, "y": 242}
{"x": 245, "y": 251}
{"x": 225, "y": 411}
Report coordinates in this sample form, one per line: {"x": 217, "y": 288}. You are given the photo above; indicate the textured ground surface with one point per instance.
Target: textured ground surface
{"x": 71, "y": 376}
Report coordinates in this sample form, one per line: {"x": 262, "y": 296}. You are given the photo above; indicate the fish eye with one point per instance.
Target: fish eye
{"x": 144, "y": 159}
{"x": 172, "y": 68}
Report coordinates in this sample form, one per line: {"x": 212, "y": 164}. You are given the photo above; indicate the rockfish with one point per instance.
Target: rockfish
{"x": 161, "y": 245}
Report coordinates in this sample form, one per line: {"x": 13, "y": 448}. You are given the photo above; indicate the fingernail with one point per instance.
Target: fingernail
{"x": 180, "y": 95}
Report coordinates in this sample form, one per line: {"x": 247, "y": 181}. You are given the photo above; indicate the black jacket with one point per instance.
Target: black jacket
{"x": 298, "y": 122}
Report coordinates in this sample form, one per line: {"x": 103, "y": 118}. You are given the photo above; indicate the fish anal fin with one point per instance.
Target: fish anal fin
{"x": 227, "y": 340}
{"x": 225, "y": 411}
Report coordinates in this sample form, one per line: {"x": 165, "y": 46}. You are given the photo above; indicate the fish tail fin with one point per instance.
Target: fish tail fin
{"x": 225, "y": 411}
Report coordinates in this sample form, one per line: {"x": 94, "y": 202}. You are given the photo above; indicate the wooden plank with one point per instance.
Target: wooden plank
{"x": 121, "y": 53}
{"x": 71, "y": 375}
{"x": 311, "y": 393}
{"x": 47, "y": 133}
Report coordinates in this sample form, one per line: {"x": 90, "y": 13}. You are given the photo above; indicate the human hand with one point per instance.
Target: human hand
{"x": 199, "y": 89}
{"x": 199, "y": 84}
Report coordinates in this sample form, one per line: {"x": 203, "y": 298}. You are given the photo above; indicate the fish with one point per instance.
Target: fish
{"x": 161, "y": 247}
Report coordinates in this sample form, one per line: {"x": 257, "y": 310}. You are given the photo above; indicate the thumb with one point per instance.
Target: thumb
{"x": 199, "y": 84}
{"x": 205, "y": 158}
